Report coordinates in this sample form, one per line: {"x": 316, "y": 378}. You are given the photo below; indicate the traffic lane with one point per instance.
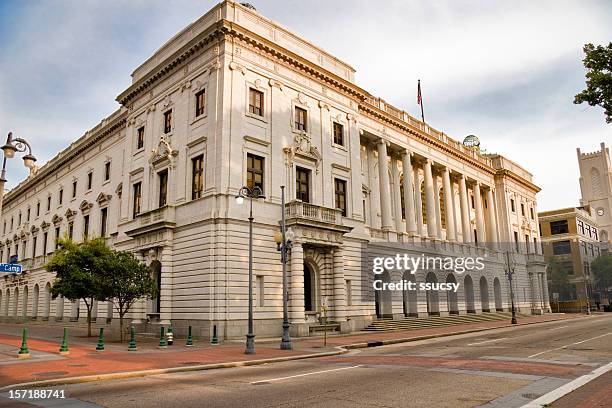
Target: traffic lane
{"x": 522, "y": 342}
{"x": 364, "y": 386}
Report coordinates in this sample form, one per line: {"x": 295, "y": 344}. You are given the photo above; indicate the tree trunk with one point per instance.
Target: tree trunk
{"x": 121, "y": 326}
{"x": 89, "y": 308}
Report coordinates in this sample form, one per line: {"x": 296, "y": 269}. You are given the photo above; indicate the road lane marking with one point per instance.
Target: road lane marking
{"x": 547, "y": 399}
{"x": 487, "y": 341}
{"x": 567, "y": 345}
{"x": 557, "y": 328}
{"x": 303, "y": 375}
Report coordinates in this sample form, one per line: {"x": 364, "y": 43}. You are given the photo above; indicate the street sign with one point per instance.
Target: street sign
{"x": 11, "y": 268}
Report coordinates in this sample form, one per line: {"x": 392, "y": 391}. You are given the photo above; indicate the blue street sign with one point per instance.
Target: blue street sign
{"x": 11, "y": 268}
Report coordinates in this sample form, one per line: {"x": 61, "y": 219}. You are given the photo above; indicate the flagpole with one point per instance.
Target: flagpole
{"x": 420, "y": 101}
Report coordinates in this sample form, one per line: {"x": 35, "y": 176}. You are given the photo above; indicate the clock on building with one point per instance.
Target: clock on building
{"x": 600, "y": 212}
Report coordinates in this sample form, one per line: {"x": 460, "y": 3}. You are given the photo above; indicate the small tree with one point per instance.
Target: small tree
{"x": 128, "y": 280}
{"x": 558, "y": 279}
{"x": 79, "y": 269}
{"x": 602, "y": 269}
{"x": 598, "y": 92}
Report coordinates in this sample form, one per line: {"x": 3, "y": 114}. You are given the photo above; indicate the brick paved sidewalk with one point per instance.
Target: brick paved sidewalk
{"x": 595, "y": 394}
{"x": 46, "y": 363}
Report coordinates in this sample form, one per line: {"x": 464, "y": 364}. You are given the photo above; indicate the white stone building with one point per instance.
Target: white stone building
{"x": 233, "y": 99}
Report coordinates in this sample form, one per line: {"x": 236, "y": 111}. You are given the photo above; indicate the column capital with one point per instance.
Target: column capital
{"x": 382, "y": 140}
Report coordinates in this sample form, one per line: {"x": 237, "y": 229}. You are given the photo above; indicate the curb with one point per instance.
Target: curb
{"x": 144, "y": 373}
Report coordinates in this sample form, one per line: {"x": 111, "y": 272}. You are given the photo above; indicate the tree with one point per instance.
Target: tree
{"x": 602, "y": 269}
{"x": 558, "y": 279}
{"x": 79, "y": 269}
{"x": 128, "y": 281}
{"x": 598, "y": 92}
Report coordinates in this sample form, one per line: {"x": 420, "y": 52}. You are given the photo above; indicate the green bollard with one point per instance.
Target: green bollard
{"x": 64, "y": 347}
{"x": 23, "y": 351}
{"x": 189, "y": 338}
{"x": 100, "y": 346}
{"x": 215, "y": 339}
{"x": 132, "y": 345}
{"x": 162, "y": 339}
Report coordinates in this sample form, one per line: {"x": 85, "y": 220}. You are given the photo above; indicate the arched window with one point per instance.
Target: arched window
{"x": 595, "y": 183}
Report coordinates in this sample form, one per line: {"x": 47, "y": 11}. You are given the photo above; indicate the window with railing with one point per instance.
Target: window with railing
{"x": 302, "y": 184}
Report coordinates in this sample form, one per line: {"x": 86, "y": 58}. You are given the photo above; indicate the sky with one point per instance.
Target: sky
{"x": 504, "y": 71}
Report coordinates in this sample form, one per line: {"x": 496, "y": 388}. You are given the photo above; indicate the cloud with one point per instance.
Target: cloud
{"x": 506, "y": 71}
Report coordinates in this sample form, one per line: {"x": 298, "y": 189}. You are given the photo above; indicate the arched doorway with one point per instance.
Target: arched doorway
{"x": 432, "y": 296}
{"x": 484, "y": 295}
{"x": 310, "y": 288}
{"x": 384, "y": 307}
{"x": 451, "y": 297}
{"x": 498, "y": 295}
{"x": 7, "y": 302}
{"x": 156, "y": 275}
{"x": 468, "y": 286}
{"x": 24, "y": 302}
{"x": 410, "y": 297}
{"x": 35, "y": 302}
{"x": 47, "y": 309}
{"x": 15, "y": 302}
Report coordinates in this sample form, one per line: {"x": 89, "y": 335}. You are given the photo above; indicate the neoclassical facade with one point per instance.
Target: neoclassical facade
{"x": 236, "y": 99}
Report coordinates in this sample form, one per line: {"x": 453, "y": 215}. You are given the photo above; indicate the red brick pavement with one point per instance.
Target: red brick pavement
{"x": 595, "y": 394}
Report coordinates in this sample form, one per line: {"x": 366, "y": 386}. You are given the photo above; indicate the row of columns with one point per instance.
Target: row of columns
{"x": 412, "y": 202}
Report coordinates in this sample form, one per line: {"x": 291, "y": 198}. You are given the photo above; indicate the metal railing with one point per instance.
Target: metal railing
{"x": 300, "y": 209}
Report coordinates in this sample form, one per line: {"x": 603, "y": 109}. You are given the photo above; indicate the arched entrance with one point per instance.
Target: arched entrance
{"x": 47, "y": 310}
{"x": 24, "y": 302}
{"x": 156, "y": 275}
{"x": 310, "y": 288}
{"x": 15, "y": 302}
{"x": 7, "y": 302}
{"x": 484, "y": 295}
{"x": 384, "y": 307}
{"x": 451, "y": 297}
{"x": 498, "y": 295}
{"x": 410, "y": 297}
{"x": 35, "y": 302}
{"x": 432, "y": 296}
{"x": 468, "y": 286}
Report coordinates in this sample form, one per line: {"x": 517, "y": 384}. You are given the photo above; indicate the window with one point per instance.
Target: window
{"x": 103, "y": 218}
{"x": 527, "y": 241}
{"x": 300, "y": 119}
{"x": 531, "y": 213}
{"x": 200, "y": 103}
{"x": 302, "y": 184}
{"x": 60, "y": 197}
{"x": 45, "y": 237}
{"x": 559, "y": 227}
{"x": 16, "y": 253}
{"x": 535, "y": 245}
{"x": 522, "y": 209}
{"x": 89, "y": 180}
{"x": 561, "y": 247}
{"x": 57, "y": 236}
{"x": 4, "y": 228}
{"x": 140, "y": 137}
{"x": 85, "y": 226}
{"x": 28, "y": 215}
{"x": 256, "y": 102}
{"x": 74, "y": 189}
{"x": 516, "y": 240}
{"x": 38, "y": 208}
{"x": 23, "y": 249}
{"x": 340, "y": 193}
{"x": 472, "y": 202}
{"x": 19, "y": 223}
{"x": 588, "y": 230}
{"x": 163, "y": 187}
{"x": 107, "y": 169}
{"x": 12, "y": 223}
{"x": 581, "y": 227}
{"x": 34, "y": 241}
{"x": 70, "y": 229}
{"x": 512, "y": 205}
{"x": 338, "y": 134}
{"x": 137, "y": 199}
{"x": 49, "y": 203}
{"x": 594, "y": 233}
{"x": 197, "y": 177}
{"x": 168, "y": 121}
{"x": 255, "y": 171}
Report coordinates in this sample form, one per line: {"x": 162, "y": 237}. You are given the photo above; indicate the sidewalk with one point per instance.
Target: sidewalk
{"x": 84, "y": 360}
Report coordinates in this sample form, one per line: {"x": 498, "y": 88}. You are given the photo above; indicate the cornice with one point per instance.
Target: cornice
{"x": 515, "y": 177}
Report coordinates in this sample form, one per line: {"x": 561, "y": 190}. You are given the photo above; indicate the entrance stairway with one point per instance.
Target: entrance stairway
{"x": 412, "y": 323}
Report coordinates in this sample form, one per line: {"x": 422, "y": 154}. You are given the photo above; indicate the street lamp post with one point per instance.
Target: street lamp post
{"x": 284, "y": 240}
{"x": 509, "y": 270}
{"x": 12, "y": 146}
{"x": 586, "y": 293}
{"x": 250, "y": 193}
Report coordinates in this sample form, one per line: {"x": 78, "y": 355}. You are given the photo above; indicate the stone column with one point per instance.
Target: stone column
{"x": 165, "y": 291}
{"x": 492, "y": 219}
{"x": 409, "y": 192}
{"x": 430, "y": 201}
{"x": 465, "y": 210}
{"x": 296, "y": 289}
{"x": 480, "y": 228}
{"x": 436, "y": 189}
{"x": 339, "y": 286}
{"x": 383, "y": 180}
{"x": 397, "y": 195}
{"x": 418, "y": 204}
{"x": 448, "y": 204}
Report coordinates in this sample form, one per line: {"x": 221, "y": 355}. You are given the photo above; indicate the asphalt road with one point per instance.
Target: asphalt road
{"x": 498, "y": 368}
